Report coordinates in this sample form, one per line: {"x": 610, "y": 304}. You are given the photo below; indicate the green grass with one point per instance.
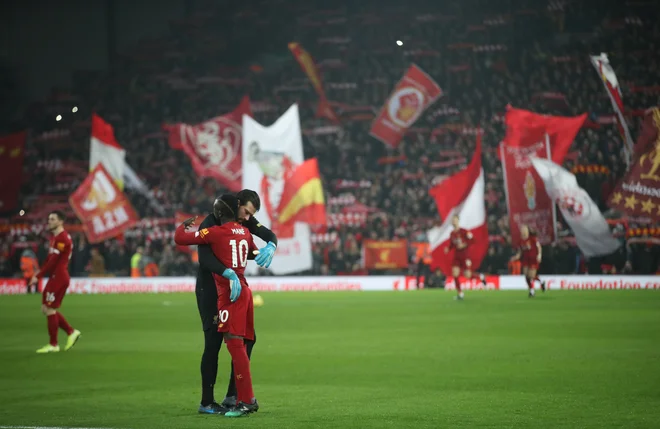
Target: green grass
{"x": 587, "y": 359}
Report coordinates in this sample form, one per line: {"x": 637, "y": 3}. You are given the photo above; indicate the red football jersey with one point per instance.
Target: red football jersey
{"x": 529, "y": 250}
{"x": 460, "y": 239}
{"x": 59, "y": 254}
{"x": 231, "y": 243}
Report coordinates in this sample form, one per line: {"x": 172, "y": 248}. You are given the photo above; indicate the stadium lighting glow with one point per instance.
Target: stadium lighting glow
{"x": 22, "y": 212}
{"x": 58, "y": 118}
{"x": 75, "y": 109}
{"x": 399, "y": 43}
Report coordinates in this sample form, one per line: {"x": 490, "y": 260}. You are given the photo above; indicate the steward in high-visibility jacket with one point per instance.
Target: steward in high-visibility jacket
{"x": 135, "y": 262}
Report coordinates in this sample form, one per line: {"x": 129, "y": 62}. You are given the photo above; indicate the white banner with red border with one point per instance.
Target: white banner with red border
{"x": 117, "y": 285}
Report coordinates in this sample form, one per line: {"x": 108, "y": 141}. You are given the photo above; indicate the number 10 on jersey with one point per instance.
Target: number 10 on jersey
{"x": 239, "y": 253}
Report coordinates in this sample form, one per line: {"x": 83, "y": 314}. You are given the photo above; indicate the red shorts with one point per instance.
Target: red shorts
{"x": 54, "y": 292}
{"x": 530, "y": 265}
{"x": 237, "y": 318}
{"x": 461, "y": 261}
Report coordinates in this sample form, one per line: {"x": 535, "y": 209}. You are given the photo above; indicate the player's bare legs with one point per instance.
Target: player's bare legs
{"x": 531, "y": 276}
{"x": 246, "y": 400}
{"x": 456, "y": 273}
{"x": 472, "y": 275}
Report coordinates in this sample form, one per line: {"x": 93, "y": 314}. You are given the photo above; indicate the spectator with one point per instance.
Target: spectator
{"x": 97, "y": 263}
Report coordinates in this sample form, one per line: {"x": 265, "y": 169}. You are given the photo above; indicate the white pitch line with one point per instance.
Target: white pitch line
{"x": 44, "y": 427}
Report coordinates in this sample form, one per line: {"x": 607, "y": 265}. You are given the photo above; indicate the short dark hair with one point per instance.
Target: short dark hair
{"x": 249, "y": 196}
{"x": 60, "y": 214}
{"x": 226, "y": 206}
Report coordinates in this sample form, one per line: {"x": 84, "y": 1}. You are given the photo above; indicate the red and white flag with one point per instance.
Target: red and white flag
{"x": 413, "y": 94}
{"x": 214, "y": 147}
{"x": 103, "y": 209}
{"x": 461, "y": 194}
{"x": 611, "y": 83}
{"x": 105, "y": 150}
{"x": 547, "y": 137}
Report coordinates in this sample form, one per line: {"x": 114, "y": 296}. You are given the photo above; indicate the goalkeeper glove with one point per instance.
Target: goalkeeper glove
{"x": 234, "y": 284}
{"x": 265, "y": 256}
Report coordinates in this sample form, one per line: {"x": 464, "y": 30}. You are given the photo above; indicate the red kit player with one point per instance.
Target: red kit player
{"x": 57, "y": 268}
{"x": 529, "y": 254}
{"x": 459, "y": 241}
{"x": 232, "y": 244}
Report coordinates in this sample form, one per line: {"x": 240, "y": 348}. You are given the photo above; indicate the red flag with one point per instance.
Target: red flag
{"x": 309, "y": 67}
{"x": 385, "y": 255}
{"x": 638, "y": 193}
{"x": 529, "y": 134}
{"x": 412, "y": 95}
{"x": 525, "y": 129}
{"x": 12, "y": 153}
{"x": 103, "y": 209}
{"x": 215, "y": 146}
{"x": 461, "y": 194}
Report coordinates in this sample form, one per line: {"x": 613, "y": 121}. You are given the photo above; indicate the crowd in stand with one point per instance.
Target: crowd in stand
{"x": 484, "y": 55}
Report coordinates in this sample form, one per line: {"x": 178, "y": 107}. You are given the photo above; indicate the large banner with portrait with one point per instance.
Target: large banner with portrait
{"x": 271, "y": 157}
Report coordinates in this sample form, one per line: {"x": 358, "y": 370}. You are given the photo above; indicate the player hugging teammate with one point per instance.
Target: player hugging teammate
{"x": 529, "y": 253}
{"x": 232, "y": 245}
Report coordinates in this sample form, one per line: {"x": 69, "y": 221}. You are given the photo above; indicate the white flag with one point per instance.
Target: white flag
{"x": 591, "y": 230}
{"x": 270, "y": 156}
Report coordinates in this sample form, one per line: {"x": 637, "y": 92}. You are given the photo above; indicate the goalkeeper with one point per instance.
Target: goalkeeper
{"x": 207, "y": 298}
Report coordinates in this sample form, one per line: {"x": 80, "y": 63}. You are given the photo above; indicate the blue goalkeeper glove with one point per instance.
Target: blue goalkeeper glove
{"x": 265, "y": 256}
{"x": 234, "y": 284}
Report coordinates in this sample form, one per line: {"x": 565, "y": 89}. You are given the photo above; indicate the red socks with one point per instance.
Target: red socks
{"x": 239, "y": 356}
{"x": 530, "y": 283}
{"x": 458, "y": 280}
{"x": 63, "y": 324}
{"x": 52, "y": 329}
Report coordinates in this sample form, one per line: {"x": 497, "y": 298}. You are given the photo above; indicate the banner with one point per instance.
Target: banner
{"x": 592, "y": 233}
{"x": 546, "y": 137}
{"x": 412, "y": 95}
{"x": 271, "y": 156}
{"x": 385, "y": 255}
{"x": 12, "y": 153}
{"x": 527, "y": 201}
{"x": 463, "y": 195}
{"x": 214, "y": 147}
{"x": 128, "y": 285}
{"x": 101, "y": 207}
{"x": 638, "y": 193}
{"x": 611, "y": 83}
{"x": 105, "y": 150}
{"x": 307, "y": 65}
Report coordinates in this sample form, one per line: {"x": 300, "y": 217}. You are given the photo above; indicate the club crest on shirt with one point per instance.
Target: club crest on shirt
{"x": 60, "y": 246}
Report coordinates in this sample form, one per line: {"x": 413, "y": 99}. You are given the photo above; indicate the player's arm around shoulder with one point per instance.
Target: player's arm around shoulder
{"x": 187, "y": 238}
{"x": 261, "y": 231}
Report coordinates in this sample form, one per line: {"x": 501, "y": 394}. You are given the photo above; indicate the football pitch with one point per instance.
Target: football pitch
{"x": 569, "y": 359}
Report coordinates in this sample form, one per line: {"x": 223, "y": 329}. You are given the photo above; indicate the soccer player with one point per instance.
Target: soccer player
{"x": 57, "y": 267}
{"x": 207, "y": 297}
{"x": 459, "y": 241}
{"x": 232, "y": 244}
{"x": 529, "y": 254}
